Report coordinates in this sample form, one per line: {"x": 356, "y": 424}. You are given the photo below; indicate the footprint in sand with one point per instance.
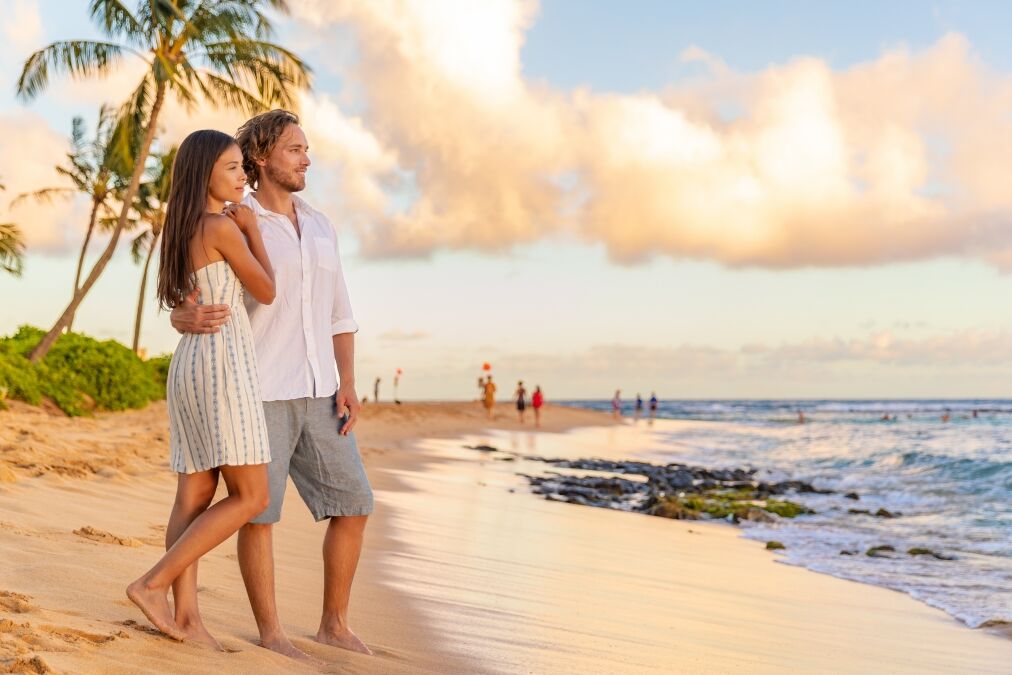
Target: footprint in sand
{"x": 21, "y": 638}
{"x": 144, "y": 628}
{"x": 101, "y": 536}
{"x": 15, "y": 602}
{"x": 30, "y": 664}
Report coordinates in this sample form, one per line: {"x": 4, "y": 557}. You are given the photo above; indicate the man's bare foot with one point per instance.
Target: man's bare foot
{"x": 344, "y": 639}
{"x": 155, "y": 605}
{"x": 284, "y": 646}
{"x": 196, "y": 633}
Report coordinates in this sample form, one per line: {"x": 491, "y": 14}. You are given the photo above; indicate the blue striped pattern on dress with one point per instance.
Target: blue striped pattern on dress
{"x": 216, "y": 414}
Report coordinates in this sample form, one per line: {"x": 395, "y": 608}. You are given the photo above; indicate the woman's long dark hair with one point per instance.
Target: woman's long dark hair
{"x": 184, "y": 213}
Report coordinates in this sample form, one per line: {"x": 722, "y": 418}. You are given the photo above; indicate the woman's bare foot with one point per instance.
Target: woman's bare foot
{"x": 344, "y": 639}
{"x": 282, "y": 645}
{"x": 196, "y": 633}
{"x": 155, "y": 605}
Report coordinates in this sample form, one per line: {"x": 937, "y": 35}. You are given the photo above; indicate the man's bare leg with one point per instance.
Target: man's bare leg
{"x": 193, "y": 496}
{"x": 256, "y": 562}
{"x": 342, "y": 547}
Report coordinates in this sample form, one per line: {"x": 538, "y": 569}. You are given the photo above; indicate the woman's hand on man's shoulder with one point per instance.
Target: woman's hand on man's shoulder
{"x": 242, "y": 216}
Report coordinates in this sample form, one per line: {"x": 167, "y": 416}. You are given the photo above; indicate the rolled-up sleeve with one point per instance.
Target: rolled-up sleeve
{"x": 342, "y": 320}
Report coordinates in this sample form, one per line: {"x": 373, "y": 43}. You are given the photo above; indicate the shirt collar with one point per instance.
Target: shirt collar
{"x": 251, "y": 201}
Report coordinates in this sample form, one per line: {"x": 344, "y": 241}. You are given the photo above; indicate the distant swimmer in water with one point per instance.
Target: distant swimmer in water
{"x": 945, "y": 416}
{"x": 801, "y": 417}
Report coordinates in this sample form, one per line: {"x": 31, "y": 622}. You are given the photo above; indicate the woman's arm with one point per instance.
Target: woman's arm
{"x": 246, "y": 255}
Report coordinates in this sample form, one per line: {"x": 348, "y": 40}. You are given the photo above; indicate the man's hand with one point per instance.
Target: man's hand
{"x": 190, "y": 317}
{"x": 347, "y": 398}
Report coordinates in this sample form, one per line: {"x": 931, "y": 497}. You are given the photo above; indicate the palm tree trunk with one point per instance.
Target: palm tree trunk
{"x": 80, "y": 260}
{"x": 41, "y": 349}
{"x": 140, "y": 297}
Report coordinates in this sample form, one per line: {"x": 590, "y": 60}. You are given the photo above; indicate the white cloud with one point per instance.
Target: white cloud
{"x": 29, "y": 150}
{"x": 22, "y": 26}
{"x": 898, "y": 158}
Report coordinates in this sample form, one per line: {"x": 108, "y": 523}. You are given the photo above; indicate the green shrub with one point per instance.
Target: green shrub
{"x": 80, "y": 373}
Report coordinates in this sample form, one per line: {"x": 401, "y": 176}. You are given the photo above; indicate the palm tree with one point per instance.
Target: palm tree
{"x": 96, "y": 168}
{"x": 153, "y": 197}
{"x": 217, "y": 50}
{"x": 12, "y": 248}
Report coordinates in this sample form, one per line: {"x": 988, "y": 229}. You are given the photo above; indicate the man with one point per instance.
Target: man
{"x": 298, "y": 340}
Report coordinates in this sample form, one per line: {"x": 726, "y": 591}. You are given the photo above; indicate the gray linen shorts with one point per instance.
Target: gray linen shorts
{"x": 324, "y": 465}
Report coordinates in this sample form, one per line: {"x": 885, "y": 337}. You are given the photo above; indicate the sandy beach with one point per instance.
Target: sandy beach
{"x": 463, "y": 571}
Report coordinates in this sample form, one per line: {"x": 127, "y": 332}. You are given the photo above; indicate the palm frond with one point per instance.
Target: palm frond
{"x": 139, "y": 246}
{"x": 78, "y": 58}
{"x": 223, "y": 93}
{"x": 77, "y": 135}
{"x": 130, "y": 122}
{"x": 12, "y": 249}
{"x": 256, "y": 65}
{"x": 78, "y": 174}
{"x": 114, "y": 18}
{"x": 43, "y": 196}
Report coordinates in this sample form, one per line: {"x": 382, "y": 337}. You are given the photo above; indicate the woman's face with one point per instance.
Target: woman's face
{"x": 227, "y": 177}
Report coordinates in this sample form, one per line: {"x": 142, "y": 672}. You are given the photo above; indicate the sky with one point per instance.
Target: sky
{"x": 727, "y": 200}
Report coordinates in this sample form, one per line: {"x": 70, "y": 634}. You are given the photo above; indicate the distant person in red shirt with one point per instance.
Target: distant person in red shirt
{"x": 537, "y": 401}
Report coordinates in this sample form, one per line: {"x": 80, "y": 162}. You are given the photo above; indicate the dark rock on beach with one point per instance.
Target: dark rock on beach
{"x": 672, "y": 490}
{"x": 882, "y": 551}
{"x": 482, "y": 448}
{"x": 917, "y": 550}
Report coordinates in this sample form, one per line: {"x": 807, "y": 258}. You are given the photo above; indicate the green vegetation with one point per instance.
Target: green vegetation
{"x": 81, "y": 374}
{"x": 736, "y": 504}
{"x": 774, "y": 546}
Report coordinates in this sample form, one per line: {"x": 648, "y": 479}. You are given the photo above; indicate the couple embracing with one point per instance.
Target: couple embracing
{"x": 256, "y": 288}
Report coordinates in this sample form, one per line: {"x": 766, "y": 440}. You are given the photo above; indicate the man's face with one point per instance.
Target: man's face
{"x": 288, "y": 161}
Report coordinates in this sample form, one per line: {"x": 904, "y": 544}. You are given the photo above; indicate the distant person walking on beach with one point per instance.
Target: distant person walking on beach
{"x": 521, "y": 397}
{"x": 616, "y": 404}
{"x": 481, "y": 390}
{"x": 489, "y": 396}
{"x": 639, "y": 405}
{"x": 653, "y": 404}
{"x": 537, "y": 400}
{"x": 376, "y": 390}
{"x": 212, "y": 251}
{"x": 305, "y": 345}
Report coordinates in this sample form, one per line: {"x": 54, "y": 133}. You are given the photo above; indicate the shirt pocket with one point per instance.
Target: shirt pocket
{"x": 326, "y": 256}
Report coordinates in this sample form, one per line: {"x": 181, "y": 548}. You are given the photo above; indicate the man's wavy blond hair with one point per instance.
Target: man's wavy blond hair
{"x": 258, "y": 136}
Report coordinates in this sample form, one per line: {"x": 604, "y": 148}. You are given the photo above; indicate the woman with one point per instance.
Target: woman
{"x": 212, "y": 252}
{"x": 537, "y": 400}
{"x": 521, "y": 396}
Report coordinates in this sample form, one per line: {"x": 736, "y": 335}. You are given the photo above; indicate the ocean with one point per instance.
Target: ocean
{"x": 949, "y": 481}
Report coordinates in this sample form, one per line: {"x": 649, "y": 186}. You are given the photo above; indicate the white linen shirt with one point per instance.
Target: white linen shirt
{"x": 293, "y": 335}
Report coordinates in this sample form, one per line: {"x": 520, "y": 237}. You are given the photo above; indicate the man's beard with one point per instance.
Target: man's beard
{"x": 292, "y": 182}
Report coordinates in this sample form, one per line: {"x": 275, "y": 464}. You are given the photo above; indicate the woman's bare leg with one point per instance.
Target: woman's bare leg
{"x": 194, "y": 493}
{"x": 247, "y": 496}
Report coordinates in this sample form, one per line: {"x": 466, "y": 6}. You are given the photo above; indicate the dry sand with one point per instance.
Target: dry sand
{"x": 464, "y": 571}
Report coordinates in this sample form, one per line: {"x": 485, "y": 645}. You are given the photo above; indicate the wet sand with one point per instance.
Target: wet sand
{"x": 464, "y": 570}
